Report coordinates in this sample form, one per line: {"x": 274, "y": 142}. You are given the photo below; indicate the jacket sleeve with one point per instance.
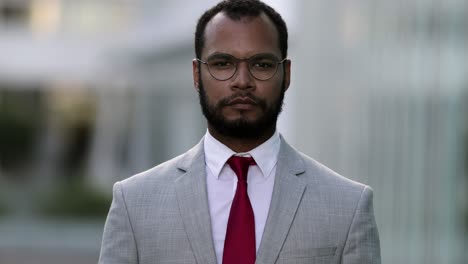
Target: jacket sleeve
{"x": 118, "y": 241}
{"x": 362, "y": 244}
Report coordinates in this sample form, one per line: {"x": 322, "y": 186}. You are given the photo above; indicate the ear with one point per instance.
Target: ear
{"x": 196, "y": 75}
{"x": 287, "y": 73}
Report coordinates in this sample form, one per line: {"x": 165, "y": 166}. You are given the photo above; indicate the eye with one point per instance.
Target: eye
{"x": 263, "y": 64}
{"x": 220, "y": 63}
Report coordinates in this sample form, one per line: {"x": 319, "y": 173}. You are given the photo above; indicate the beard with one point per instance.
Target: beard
{"x": 241, "y": 128}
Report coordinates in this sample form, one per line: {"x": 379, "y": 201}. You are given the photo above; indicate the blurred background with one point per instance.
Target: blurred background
{"x": 92, "y": 92}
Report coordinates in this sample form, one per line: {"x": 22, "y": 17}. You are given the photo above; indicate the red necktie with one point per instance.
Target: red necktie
{"x": 239, "y": 245}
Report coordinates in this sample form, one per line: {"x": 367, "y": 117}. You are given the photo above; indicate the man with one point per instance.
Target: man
{"x": 202, "y": 208}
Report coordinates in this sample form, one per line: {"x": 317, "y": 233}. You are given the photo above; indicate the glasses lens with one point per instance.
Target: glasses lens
{"x": 222, "y": 67}
{"x": 263, "y": 67}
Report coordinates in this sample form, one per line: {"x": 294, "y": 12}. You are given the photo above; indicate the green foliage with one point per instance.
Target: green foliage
{"x": 19, "y": 122}
{"x": 75, "y": 200}
{"x": 3, "y": 209}
{"x": 466, "y": 221}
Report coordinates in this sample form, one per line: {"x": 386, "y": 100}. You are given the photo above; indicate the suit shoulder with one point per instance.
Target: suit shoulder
{"x": 324, "y": 176}
{"x": 331, "y": 186}
{"x": 163, "y": 173}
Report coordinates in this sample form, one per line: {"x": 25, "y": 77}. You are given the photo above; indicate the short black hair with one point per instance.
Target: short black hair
{"x": 237, "y": 9}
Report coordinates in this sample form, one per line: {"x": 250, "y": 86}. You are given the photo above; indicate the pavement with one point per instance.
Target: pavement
{"x": 42, "y": 241}
{"x": 35, "y": 256}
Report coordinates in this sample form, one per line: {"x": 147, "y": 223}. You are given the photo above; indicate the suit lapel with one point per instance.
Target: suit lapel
{"x": 193, "y": 203}
{"x": 287, "y": 194}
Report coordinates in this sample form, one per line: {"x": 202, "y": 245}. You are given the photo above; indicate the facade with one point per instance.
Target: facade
{"x": 383, "y": 104}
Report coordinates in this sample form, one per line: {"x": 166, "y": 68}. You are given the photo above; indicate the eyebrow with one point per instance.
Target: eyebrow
{"x": 226, "y": 55}
{"x": 219, "y": 55}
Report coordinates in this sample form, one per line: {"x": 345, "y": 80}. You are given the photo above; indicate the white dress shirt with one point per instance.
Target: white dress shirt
{"x": 222, "y": 183}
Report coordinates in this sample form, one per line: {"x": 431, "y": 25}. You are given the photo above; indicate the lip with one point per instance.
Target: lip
{"x": 242, "y": 101}
{"x": 242, "y": 107}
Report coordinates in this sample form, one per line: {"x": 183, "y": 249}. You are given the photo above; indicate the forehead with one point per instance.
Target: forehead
{"x": 241, "y": 38}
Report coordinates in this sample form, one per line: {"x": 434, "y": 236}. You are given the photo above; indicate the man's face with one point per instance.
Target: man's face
{"x": 242, "y": 106}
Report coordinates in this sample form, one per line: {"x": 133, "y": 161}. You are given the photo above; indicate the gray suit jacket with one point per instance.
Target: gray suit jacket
{"x": 315, "y": 216}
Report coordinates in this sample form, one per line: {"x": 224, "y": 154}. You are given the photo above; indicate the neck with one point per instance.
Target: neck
{"x": 242, "y": 144}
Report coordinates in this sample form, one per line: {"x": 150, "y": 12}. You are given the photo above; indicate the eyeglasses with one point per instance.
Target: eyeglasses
{"x": 261, "y": 66}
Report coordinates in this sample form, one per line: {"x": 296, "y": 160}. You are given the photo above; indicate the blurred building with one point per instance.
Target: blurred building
{"x": 103, "y": 90}
{"x": 380, "y": 95}
{"x": 105, "y": 69}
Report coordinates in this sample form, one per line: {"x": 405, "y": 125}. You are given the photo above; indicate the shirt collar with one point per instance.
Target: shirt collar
{"x": 265, "y": 155}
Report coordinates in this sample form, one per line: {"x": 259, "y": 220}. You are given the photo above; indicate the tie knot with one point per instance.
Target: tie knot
{"x": 240, "y": 165}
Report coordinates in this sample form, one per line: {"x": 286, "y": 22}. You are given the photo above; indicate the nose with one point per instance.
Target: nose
{"x": 242, "y": 79}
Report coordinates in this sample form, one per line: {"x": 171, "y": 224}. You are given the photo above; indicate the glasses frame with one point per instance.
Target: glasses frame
{"x": 237, "y": 66}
